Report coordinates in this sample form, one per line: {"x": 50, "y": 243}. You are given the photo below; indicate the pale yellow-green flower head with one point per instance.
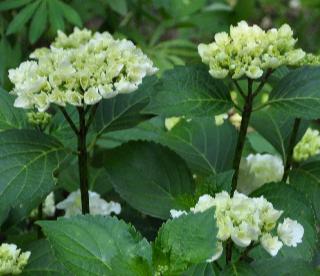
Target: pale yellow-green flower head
{"x": 308, "y": 146}
{"x": 246, "y": 220}
{"x": 79, "y": 69}
{"x": 248, "y": 51}
{"x": 41, "y": 119}
{"x": 12, "y": 261}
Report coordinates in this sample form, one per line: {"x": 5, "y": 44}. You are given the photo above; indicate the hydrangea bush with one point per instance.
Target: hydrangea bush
{"x": 206, "y": 169}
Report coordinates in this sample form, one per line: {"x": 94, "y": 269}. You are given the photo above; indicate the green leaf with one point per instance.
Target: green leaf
{"x": 238, "y": 269}
{"x": 189, "y": 91}
{"x": 278, "y": 75}
{"x": 10, "y": 117}
{"x": 28, "y": 160}
{"x": 22, "y": 18}
{"x": 42, "y": 262}
{"x": 283, "y": 266}
{"x": 205, "y": 147}
{"x": 119, "y": 6}
{"x": 56, "y": 15}
{"x": 306, "y": 179}
{"x": 142, "y": 173}
{"x": 185, "y": 241}
{"x": 96, "y": 245}
{"x": 204, "y": 269}
{"x": 70, "y": 14}
{"x": 276, "y": 127}
{"x": 297, "y": 207}
{"x": 124, "y": 111}
{"x": 12, "y": 4}
{"x": 298, "y": 94}
{"x": 259, "y": 144}
{"x": 38, "y": 23}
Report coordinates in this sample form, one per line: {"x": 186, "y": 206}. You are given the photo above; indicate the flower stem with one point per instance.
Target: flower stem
{"x": 292, "y": 142}
{"x": 83, "y": 161}
{"x": 246, "y": 114}
{"x": 40, "y": 217}
{"x": 228, "y": 251}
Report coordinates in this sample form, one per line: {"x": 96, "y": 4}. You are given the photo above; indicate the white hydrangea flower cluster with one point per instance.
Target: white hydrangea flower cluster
{"x": 79, "y": 69}
{"x": 308, "y": 146}
{"x": 12, "y": 261}
{"x": 247, "y": 220}
{"x": 257, "y": 170}
{"x": 250, "y": 51}
{"x": 97, "y": 205}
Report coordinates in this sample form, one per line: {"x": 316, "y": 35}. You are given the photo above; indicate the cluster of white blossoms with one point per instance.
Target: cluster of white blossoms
{"x": 79, "y": 69}
{"x": 308, "y": 146}
{"x": 12, "y": 261}
{"x": 97, "y": 205}
{"x": 247, "y": 220}
{"x": 250, "y": 51}
{"x": 257, "y": 170}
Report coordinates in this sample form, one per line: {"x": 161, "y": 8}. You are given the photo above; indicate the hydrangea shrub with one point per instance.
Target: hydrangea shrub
{"x": 216, "y": 164}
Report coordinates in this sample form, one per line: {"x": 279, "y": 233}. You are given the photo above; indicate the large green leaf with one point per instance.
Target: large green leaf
{"x": 10, "y": 117}
{"x": 306, "y": 179}
{"x": 298, "y": 93}
{"x": 205, "y": 147}
{"x": 28, "y": 160}
{"x": 96, "y": 245}
{"x": 204, "y": 269}
{"x": 150, "y": 177}
{"x": 238, "y": 269}
{"x": 42, "y": 262}
{"x": 185, "y": 241}
{"x": 12, "y": 4}
{"x": 276, "y": 127}
{"x": 295, "y": 206}
{"x": 38, "y": 22}
{"x": 283, "y": 266}
{"x": 189, "y": 91}
{"x": 22, "y": 18}
{"x": 124, "y": 111}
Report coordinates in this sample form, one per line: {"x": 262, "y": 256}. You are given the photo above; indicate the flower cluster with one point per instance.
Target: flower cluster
{"x": 41, "y": 119}
{"x": 247, "y": 220}
{"x": 259, "y": 169}
{"x": 308, "y": 146}
{"x": 250, "y": 51}
{"x": 12, "y": 261}
{"x": 79, "y": 69}
{"x": 98, "y": 206}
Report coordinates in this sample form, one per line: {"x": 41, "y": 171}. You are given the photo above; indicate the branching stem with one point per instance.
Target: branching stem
{"x": 83, "y": 161}
{"x": 69, "y": 120}
{"x": 292, "y": 142}
{"x": 246, "y": 114}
